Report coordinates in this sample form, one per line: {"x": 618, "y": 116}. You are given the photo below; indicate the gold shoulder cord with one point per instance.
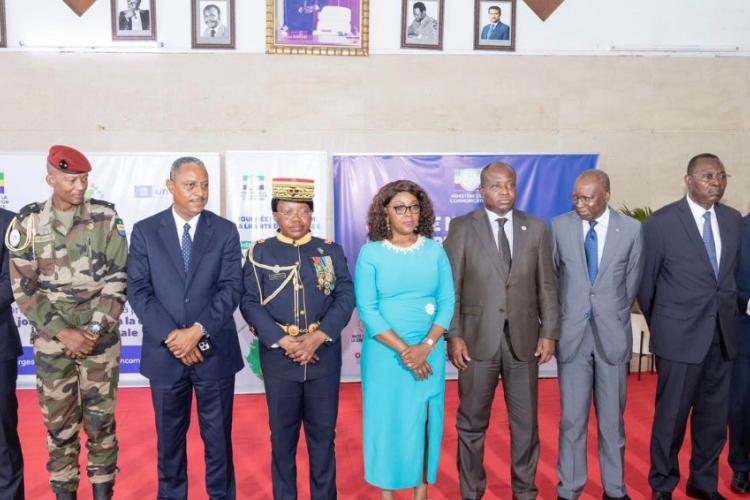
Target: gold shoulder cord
{"x": 30, "y": 230}
{"x": 293, "y": 276}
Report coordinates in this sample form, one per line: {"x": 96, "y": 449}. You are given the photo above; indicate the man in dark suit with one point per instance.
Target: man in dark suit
{"x": 133, "y": 18}
{"x": 298, "y": 297}
{"x": 11, "y": 459}
{"x": 689, "y": 298}
{"x": 506, "y": 322}
{"x": 496, "y": 30}
{"x": 184, "y": 283}
{"x": 739, "y": 404}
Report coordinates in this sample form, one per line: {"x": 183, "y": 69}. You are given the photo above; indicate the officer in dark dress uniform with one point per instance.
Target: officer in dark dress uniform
{"x": 298, "y": 297}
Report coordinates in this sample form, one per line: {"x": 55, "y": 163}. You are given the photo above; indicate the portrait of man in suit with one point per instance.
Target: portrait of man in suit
{"x": 597, "y": 256}
{"x": 505, "y": 323}
{"x": 214, "y": 26}
{"x": 739, "y": 404}
{"x": 688, "y": 295}
{"x": 495, "y": 29}
{"x": 133, "y": 18}
{"x": 184, "y": 283}
{"x": 11, "y": 458}
{"x": 424, "y": 28}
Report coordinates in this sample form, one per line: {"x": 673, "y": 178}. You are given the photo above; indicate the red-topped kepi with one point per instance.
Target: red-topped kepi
{"x": 68, "y": 160}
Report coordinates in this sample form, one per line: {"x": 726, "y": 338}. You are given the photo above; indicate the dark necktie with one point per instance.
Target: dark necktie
{"x": 503, "y": 245}
{"x": 187, "y": 245}
{"x": 213, "y": 33}
{"x": 708, "y": 241}
{"x": 592, "y": 249}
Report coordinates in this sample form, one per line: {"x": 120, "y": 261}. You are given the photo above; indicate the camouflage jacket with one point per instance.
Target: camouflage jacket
{"x": 68, "y": 278}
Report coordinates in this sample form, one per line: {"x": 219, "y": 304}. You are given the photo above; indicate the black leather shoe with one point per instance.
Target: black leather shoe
{"x": 103, "y": 491}
{"x": 66, "y": 495}
{"x": 703, "y": 494}
{"x": 607, "y": 497}
{"x": 740, "y": 483}
{"x": 661, "y": 495}
{"x": 562, "y": 498}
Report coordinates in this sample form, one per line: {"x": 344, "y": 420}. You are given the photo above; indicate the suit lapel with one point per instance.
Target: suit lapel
{"x": 203, "y": 234}
{"x": 487, "y": 239}
{"x": 686, "y": 217}
{"x": 611, "y": 242}
{"x": 520, "y": 238}
{"x": 171, "y": 241}
{"x": 725, "y": 234}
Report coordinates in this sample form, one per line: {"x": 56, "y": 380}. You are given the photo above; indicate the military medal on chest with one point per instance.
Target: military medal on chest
{"x": 324, "y": 273}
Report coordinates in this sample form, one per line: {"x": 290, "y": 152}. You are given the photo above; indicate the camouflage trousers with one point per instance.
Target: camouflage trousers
{"x": 74, "y": 393}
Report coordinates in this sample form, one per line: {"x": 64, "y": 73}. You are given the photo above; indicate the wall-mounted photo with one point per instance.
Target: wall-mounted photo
{"x": 133, "y": 19}
{"x": 3, "y": 36}
{"x": 325, "y": 27}
{"x": 495, "y": 25}
{"x": 213, "y": 24}
{"x": 422, "y": 24}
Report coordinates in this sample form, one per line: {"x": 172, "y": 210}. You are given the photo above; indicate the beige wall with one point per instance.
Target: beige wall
{"x": 645, "y": 115}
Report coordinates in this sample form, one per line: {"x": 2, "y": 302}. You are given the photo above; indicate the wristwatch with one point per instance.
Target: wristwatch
{"x": 95, "y": 328}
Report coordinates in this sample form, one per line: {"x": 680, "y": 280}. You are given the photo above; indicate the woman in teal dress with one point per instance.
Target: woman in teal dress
{"x": 405, "y": 299}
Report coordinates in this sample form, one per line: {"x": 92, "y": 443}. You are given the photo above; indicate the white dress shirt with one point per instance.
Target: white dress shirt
{"x": 698, "y": 212}
{"x": 508, "y": 227}
{"x": 602, "y": 224}
{"x": 135, "y": 21}
{"x": 180, "y": 223}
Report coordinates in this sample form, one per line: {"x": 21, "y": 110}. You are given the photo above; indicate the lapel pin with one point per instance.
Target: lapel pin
{"x": 523, "y": 228}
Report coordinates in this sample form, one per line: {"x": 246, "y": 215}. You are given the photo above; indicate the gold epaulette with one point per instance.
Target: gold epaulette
{"x": 329, "y": 242}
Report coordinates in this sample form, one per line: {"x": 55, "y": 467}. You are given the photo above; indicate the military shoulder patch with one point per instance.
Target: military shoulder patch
{"x": 329, "y": 242}
{"x": 120, "y": 226}
{"x": 102, "y": 203}
{"x": 258, "y": 242}
{"x": 31, "y": 208}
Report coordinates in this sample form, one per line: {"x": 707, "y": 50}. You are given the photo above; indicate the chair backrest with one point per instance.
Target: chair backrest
{"x": 640, "y": 329}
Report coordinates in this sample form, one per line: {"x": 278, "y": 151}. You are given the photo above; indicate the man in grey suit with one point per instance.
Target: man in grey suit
{"x": 597, "y": 257}
{"x": 506, "y": 322}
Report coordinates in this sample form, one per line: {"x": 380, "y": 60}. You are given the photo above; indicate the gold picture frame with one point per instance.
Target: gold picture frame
{"x": 318, "y": 27}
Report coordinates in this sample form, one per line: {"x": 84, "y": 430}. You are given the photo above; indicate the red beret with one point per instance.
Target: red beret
{"x": 68, "y": 160}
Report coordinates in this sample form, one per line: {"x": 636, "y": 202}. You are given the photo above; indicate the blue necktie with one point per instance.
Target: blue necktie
{"x": 708, "y": 241}
{"x": 591, "y": 247}
{"x": 187, "y": 244}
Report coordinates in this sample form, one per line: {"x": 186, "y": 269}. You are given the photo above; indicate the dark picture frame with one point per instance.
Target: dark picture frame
{"x": 3, "y": 32}
{"x": 121, "y": 30}
{"x": 218, "y": 35}
{"x": 318, "y": 27}
{"x": 495, "y": 36}
{"x": 427, "y": 34}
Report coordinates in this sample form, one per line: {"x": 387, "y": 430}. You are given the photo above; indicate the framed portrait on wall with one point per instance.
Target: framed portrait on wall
{"x": 3, "y": 35}
{"x": 213, "y": 24}
{"x": 495, "y": 25}
{"x": 321, "y": 27}
{"x": 133, "y": 19}
{"x": 422, "y": 24}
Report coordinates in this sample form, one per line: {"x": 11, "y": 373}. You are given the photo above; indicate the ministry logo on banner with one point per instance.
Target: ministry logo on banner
{"x": 146, "y": 191}
{"x": 254, "y": 187}
{"x": 466, "y": 182}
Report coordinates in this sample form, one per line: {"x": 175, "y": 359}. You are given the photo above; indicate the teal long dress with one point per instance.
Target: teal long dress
{"x": 406, "y": 290}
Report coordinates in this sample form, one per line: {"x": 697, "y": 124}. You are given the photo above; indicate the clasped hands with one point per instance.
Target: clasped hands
{"x": 79, "y": 344}
{"x": 183, "y": 344}
{"x": 414, "y": 358}
{"x": 302, "y": 349}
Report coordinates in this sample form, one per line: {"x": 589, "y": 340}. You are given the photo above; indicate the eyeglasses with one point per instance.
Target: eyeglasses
{"x": 711, "y": 177}
{"x": 586, "y": 200}
{"x": 290, "y": 214}
{"x": 402, "y": 209}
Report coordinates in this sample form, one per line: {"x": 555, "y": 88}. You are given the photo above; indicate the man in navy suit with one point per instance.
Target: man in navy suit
{"x": 11, "y": 459}
{"x": 496, "y": 30}
{"x": 184, "y": 283}
{"x": 739, "y": 405}
{"x": 689, "y": 297}
{"x": 298, "y": 297}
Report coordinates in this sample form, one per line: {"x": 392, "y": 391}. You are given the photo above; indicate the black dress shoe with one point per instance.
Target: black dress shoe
{"x": 607, "y": 497}
{"x": 661, "y": 495}
{"x": 103, "y": 491}
{"x": 703, "y": 494}
{"x": 740, "y": 483}
{"x": 66, "y": 495}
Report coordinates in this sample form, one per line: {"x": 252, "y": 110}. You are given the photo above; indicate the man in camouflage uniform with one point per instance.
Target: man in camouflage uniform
{"x": 68, "y": 258}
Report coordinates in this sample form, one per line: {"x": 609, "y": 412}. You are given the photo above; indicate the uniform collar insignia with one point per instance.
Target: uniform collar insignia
{"x": 289, "y": 241}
